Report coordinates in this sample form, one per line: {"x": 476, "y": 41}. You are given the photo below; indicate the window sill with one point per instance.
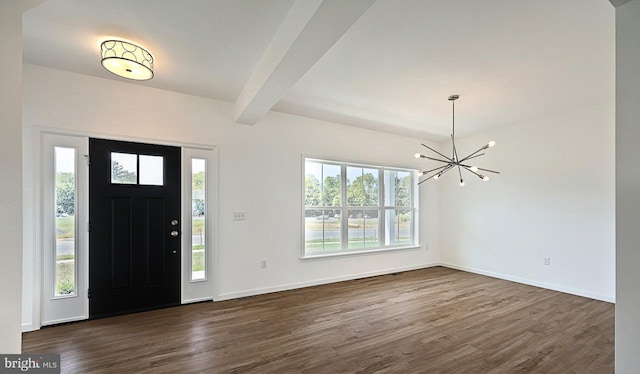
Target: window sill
{"x": 356, "y": 253}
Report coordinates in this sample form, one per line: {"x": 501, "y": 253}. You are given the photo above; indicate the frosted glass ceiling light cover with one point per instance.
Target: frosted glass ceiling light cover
{"x": 126, "y": 60}
{"x": 455, "y": 162}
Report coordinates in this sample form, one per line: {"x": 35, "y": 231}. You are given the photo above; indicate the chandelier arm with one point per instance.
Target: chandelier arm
{"x": 465, "y": 165}
{"x": 424, "y": 180}
{"x": 479, "y": 150}
{"x": 437, "y": 159}
{"x": 438, "y": 168}
{"x": 426, "y": 146}
{"x": 469, "y": 158}
{"x": 455, "y": 155}
{"x": 445, "y": 169}
{"x": 469, "y": 166}
{"x": 490, "y": 171}
{"x": 455, "y": 150}
{"x": 448, "y": 168}
{"x": 471, "y": 171}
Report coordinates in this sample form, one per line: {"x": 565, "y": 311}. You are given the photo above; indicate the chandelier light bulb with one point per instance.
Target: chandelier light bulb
{"x": 485, "y": 178}
{"x": 473, "y": 168}
{"x": 491, "y": 143}
{"x": 436, "y": 176}
{"x": 461, "y": 183}
{"x": 418, "y": 155}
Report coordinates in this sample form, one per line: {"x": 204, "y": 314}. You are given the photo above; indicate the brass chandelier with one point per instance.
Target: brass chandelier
{"x": 455, "y": 162}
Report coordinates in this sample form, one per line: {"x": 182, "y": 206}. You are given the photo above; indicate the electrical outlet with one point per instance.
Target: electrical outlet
{"x": 263, "y": 264}
{"x": 547, "y": 261}
{"x": 239, "y": 216}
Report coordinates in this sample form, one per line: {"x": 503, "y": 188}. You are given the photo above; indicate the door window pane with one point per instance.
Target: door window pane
{"x": 124, "y": 168}
{"x": 65, "y": 224}
{"x": 151, "y": 170}
{"x": 198, "y": 220}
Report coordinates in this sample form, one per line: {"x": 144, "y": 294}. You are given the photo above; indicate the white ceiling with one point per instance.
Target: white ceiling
{"x": 387, "y": 64}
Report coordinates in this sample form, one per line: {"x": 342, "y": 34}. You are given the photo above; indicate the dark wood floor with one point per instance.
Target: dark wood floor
{"x": 434, "y": 320}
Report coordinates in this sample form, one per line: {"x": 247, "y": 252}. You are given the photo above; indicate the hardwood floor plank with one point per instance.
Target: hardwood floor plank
{"x": 435, "y": 320}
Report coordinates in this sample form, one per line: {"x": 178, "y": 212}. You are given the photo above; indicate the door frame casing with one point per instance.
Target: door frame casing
{"x": 32, "y": 201}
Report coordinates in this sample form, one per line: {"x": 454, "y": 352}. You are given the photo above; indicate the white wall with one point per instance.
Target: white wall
{"x": 11, "y": 181}
{"x": 554, "y": 198}
{"x": 628, "y": 187}
{"x": 259, "y": 168}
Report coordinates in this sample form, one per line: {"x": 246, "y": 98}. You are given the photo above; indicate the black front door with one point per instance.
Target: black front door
{"x": 134, "y": 239}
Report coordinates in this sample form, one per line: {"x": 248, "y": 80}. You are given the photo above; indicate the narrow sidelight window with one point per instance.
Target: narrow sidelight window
{"x": 198, "y": 220}
{"x": 65, "y": 222}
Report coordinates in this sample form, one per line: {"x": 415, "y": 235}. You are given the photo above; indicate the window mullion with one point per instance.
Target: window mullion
{"x": 412, "y": 227}
{"x": 322, "y": 210}
{"x": 381, "y": 211}
{"x": 344, "y": 224}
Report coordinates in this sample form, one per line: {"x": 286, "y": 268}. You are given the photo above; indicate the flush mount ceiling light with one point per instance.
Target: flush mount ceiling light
{"x": 126, "y": 60}
{"x": 454, "y": 162}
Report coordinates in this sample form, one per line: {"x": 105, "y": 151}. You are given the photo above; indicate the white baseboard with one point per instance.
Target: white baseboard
{"x": 549, "y": 286}
{"x": 28, "y": 327}
{"x": 292, "y": 286}
{"x": 197, "y": 300}
{"x": 65, "y": 320}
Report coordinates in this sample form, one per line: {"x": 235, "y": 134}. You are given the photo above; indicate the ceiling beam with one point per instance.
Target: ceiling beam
{"x": 309, "y": 30}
